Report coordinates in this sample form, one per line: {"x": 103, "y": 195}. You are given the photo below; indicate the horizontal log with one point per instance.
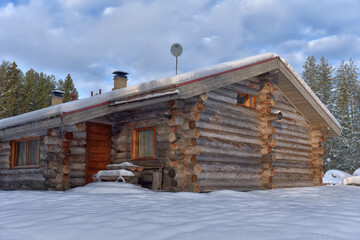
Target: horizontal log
{"x": 5, "y": 145}
{"x": 288, "y": 132}
{"x": 50, "y": 173}
{"x": 228, "y": 92}
{"x": 243, "y": 89}
{"x": 77, "y": 150}
{"x": 217, "y": 152}
{"x": 230, "y": 121}
{"x": 76, "y": 182}
{"x": 5, "y": 152}
{"x": 294, "y": 152}
{"x": 219, "y": 97}
{"x": 77, "y": 174}
{"x": 166, "y": 137}
{"x": 225, "y": 129}
{"x": 48, "y": 140}
{"x": 231, "y": 137}
{"x": 4, "y": 165}
{"x": 226, "y": 159}
{"x": 305, "y": 176}
{"x": 284, "y": 144}
{"x": 74, "y": 166}
{"x": 231, "y": 183}
{"x": 5, "y": 159}
{"x": 292, "y": 139}
{"x": 209, "y": 166}
{"x": 295, "y": 164}
{"x": 79, "y": 135}
{"x": 77, "y": 158}
{"x": 293, "y": 127}
{"x": 54, "y": 149}
{"x": 281, "y": 106}
{"x": 292, "y": 183}
{"x": 290, "y": 115}
{"x": 229, "y": 175}
{"x": 292, "y": 170}
{"x": 249, "y": 113}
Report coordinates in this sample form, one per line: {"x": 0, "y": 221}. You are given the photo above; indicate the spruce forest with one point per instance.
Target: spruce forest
{"x": 21, "y": 93}
{"x": 338, "y": 88}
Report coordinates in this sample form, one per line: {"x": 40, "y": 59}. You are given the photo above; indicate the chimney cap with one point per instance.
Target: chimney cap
{"x": 121, "y": 74}
{"x": 57, "y": 93}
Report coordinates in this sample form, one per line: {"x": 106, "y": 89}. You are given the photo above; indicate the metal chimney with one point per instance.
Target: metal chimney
{"x": 120, "y": 79}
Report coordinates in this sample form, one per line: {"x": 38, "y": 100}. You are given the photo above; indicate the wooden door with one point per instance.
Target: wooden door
{"x": 98, "y": 148}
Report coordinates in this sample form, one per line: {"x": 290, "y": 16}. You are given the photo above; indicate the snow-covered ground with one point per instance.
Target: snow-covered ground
{"x": 123, "y": 211}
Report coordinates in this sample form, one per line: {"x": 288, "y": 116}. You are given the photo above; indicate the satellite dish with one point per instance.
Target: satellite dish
{"x": 176, "y": 50}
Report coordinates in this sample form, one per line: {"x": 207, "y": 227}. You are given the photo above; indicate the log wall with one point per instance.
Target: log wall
{"x": 271, "y": 146}
{"x": 65, "y": 157}
{"x": 20, "y": 178}
{"x": 123, "y": 125}
{"x": 293, "y": 165}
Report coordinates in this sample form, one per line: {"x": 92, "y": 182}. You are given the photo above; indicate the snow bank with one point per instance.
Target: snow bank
{"x": 356, "y": 172}
{"x": 109, "y": 187}
{"x": 107, "y": 211}
{"x": 334, "y": 177}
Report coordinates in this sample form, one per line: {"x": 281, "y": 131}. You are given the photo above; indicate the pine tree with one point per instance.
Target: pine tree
{"x": 28, "y": 91}
{"x": 69, "y": 89}
{"x": 311, "y": 73}
{"x": 10, "y": 91}
{"x": 325, "y": 84}
{"x": 347, "y": 147}
{"x": 44, "y": 85}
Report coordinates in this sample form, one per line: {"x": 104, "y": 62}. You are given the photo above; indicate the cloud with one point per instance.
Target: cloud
{"x": 89, "y": 39}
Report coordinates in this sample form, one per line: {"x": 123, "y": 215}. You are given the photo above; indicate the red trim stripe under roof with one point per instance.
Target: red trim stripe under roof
{"x": 228, "y": 71}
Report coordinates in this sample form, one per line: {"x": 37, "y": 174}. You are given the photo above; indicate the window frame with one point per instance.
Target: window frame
{"x": 135, "y": 144}
{"x": 247, "y": 102}
{"x": 26, "y": 160}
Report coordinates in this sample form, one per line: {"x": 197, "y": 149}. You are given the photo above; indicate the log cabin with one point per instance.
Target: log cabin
{"x": 247, "y": 124}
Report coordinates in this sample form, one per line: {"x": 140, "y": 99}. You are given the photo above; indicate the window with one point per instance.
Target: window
{"x": 144, "y": 143}
{"x": 246, "y": 100}
{"x": 25, "y": 152}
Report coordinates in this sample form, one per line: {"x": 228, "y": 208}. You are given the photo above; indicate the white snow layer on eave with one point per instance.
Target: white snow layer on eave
{"x": 129, "y": 91}
{"x": 57, "y": 110}
{"x": 302, "y": 82}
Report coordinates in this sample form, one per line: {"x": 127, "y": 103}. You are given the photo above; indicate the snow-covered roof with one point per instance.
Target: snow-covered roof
{"x": 116, "y": 96}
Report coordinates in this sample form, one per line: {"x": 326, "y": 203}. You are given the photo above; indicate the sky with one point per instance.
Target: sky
{"x": 92, "y": 38}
